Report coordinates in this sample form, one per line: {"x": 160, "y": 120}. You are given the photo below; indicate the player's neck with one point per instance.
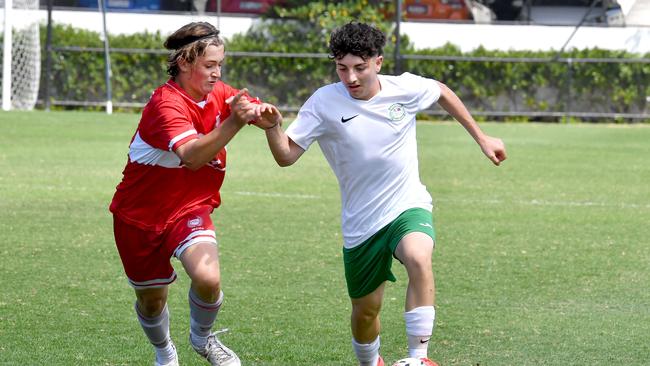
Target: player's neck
{"x": 186, "y": 86}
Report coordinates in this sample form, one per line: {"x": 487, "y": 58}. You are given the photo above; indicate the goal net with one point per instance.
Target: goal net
{"x": 21, "y": 69}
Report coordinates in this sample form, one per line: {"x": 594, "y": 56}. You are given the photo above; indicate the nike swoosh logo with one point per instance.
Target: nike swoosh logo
{"x": 343, "y": 120}
{"x": 423, "y": 341}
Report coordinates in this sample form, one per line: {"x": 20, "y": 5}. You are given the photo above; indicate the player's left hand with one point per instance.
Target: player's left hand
{"x": 494, "y": 149}
{"x": 267, "y": 116}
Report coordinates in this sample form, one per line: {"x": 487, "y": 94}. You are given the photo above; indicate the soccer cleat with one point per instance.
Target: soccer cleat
{"x": 412, "y": 361}
{"x": 380, "y": 361}
{"x": 173, "y": 362}
{"x": 216, "y": 353}
{"x": 428, "y": 362}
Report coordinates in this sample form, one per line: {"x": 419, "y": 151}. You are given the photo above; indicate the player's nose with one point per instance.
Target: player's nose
{"x": 350, "y": 77}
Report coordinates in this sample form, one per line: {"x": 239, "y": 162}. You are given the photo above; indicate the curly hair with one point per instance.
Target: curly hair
{"x": 358, "y": 39}
{"x": 189, "y": 42}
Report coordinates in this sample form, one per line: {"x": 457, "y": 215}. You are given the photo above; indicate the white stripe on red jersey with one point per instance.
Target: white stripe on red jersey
{"x": 178, "y": 138}
{"x": 143, "y": 153}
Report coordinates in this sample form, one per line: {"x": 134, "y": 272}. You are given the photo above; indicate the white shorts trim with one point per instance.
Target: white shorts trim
{"x": 157, "y": 283}
{"x": 200, "y": 236}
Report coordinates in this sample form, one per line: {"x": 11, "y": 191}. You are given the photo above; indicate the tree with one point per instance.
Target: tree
{"x": 300, "y": 27}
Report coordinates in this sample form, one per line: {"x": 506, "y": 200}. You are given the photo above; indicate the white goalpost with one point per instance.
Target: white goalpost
{"x": 21, "y": 56}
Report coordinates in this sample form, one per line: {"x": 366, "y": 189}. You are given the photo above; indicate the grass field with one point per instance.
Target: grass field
{"x": 542, "y": 261}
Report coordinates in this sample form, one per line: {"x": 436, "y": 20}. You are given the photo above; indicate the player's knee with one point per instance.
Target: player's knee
{"x": 208, "y": 282}
{"x": 152, "y": 305}
{"x": 366, "y": 313}
{"x": 418, "y": 264}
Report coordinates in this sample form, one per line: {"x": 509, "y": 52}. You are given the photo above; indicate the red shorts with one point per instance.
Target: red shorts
{"x": 146, "y": 254}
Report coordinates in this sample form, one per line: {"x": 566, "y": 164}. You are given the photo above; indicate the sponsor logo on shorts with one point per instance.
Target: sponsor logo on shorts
{"x": 426, "y": 224}
{"x": 197, "y": 221}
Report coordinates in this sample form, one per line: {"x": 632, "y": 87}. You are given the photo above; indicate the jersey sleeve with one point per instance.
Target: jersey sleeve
{"x": 427, "y": 91}
{"x": 223, "y": 91}
{"x": 166, "y": 125}
{"x": 308, "y": 125}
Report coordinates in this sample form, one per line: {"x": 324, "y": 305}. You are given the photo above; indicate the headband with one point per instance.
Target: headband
{"x": 192, "y": 39}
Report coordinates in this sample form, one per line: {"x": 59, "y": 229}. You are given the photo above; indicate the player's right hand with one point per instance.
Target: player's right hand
{"x": 241, "y": 108}
{"x": 494, "y": 149}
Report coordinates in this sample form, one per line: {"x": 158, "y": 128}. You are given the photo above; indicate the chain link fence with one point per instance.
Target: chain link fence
{"x": 581, "y": 88}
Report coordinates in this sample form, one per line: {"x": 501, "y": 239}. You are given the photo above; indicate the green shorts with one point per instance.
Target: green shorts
{"x": 368, "y": 264}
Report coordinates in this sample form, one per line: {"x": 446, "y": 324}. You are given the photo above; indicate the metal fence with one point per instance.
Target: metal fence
{"x": 564, "y": 100}
{"x": 567, "y": 100}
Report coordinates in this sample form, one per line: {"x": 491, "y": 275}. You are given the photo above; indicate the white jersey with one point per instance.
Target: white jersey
{"x": 371, "y": 147}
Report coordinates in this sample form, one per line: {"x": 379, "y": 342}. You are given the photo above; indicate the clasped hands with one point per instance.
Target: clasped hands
{"x": 262, "y": 115}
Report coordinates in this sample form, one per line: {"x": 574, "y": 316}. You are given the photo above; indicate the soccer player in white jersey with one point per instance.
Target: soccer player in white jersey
{"x": 162, "y": 206}
{"x": 365, "y": 126}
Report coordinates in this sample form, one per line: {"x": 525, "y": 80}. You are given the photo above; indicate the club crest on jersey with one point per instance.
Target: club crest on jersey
{"x": 396, "y": 112}
{"x": 217, "y": 164}
{"x": 217, "y": 121}
{"x": 197, "y": 221}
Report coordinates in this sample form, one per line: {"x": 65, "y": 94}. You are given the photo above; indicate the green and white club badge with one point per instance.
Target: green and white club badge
{"x": 396, "y": 112}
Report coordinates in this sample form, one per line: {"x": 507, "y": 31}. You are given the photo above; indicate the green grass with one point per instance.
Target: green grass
{"x": 543, "y": 260}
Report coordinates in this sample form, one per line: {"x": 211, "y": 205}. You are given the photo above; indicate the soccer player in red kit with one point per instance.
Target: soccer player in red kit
{"x": 176, "y": 165}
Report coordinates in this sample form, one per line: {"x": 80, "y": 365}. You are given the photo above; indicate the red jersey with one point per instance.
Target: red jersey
{"x": 156, "y": 188}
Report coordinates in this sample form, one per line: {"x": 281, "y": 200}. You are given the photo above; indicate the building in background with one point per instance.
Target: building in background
{"x": 493, "y": 24}
{"x": 548, "y": 12}
{"x": 572, "y": 12}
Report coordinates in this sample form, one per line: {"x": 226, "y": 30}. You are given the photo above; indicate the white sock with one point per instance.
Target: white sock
{"x": 419, "y": 327}
{"x": 367, "y": 354}
{"x": 165, "y": 354}
{"x": 202, "y": 317}
{"x": 157, "y": 330}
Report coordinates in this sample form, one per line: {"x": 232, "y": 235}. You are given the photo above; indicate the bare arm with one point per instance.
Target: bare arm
{"x": 284, "y": 150}
{"x": 492, "y": 147}
{"x": 196, "y": 153}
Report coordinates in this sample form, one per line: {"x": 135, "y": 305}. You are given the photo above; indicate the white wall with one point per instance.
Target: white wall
{"x": 626, "y": 5}
{"x": 527, "y": 37}
{"x": 128, "y": 23}
{"x": 423, "y": 35}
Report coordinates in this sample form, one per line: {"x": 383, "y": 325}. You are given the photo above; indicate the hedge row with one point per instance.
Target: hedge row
{"x": 486, "y": 84}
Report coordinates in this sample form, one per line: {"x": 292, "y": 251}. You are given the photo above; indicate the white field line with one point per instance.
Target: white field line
{"x": 278, "y": 195}
{"x": 534, "y": 202}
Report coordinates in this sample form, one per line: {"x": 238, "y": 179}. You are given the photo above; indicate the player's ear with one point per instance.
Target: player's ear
{"x": 379, "y": 60}
{"x": 183, "y": 65}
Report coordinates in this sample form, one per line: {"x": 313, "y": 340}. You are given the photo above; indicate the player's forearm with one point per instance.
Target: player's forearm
{"x": 203, "y": 150}
{"x": 492, "y": 147}
{"x": 450, "y": 102}
{"x": 280, "y": 146}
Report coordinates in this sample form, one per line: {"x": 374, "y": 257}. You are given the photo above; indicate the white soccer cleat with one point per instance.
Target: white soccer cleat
{"x": 216, "y": 353}
{"x": 173, "y": 362}
{"x": 412, "y": 361}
